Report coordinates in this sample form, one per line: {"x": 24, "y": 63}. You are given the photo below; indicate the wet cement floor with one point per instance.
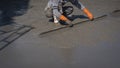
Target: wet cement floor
{"x": 94, "y": 44}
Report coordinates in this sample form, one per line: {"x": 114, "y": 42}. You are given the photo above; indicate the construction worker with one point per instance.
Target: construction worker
{"x": 55, "y": 10}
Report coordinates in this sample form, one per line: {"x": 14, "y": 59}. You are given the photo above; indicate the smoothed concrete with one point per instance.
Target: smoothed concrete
{"x": 95, "y": 44}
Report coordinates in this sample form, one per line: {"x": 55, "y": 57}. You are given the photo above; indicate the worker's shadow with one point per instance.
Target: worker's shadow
{"x": 74, "y": 17}
{"x": 10, "y": 9}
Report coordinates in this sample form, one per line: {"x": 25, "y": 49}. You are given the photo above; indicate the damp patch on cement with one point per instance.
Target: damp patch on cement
{"x": 9, "y": 33}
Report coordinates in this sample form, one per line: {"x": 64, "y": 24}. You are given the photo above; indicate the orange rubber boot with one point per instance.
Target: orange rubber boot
{"x": 88, "y": 13}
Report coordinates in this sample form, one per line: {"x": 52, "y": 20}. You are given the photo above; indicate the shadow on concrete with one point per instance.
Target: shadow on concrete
{"x": 10, "y": 9}
{"x": 77, "y": 16}
{"x": 9, "y": 30}
{"x": 72, "y": 18}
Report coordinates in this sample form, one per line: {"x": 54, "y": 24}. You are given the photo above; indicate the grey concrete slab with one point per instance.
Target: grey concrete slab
{"x": 94, "y": 44}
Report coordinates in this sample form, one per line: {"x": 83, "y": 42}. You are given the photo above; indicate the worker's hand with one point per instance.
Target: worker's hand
{"x": 91, "y": 19}
{"x": 65, "y": 19}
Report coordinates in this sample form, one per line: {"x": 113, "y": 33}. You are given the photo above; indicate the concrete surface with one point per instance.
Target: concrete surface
{"x": 93, "y": 44}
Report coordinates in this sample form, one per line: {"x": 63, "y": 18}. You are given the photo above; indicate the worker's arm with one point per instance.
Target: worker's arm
{"x": 62, "y": 17}
{"x": 79, "y": 5}
{"x": 57, "y": 13}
